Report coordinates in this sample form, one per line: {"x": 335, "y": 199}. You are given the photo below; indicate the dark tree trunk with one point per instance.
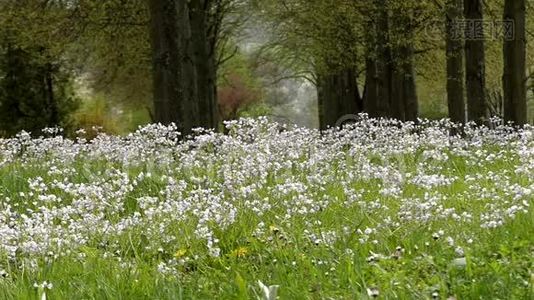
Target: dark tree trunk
{"x": 390, "y": 75}
{"x": 204, "y": 58}
{"x": 514, "y": 52}
{"x": 52, "y": 104}
{"x": 411, "y": 102}
{"x": 370, "y": 97}
{"x": 166, "y": 67}
{"x": 475, "y": 63}
{"x": 384, "y": 62}
{"x": 455, "y": 75}
{"x": 403, "y": 92}
{"x": 338, "y": 96}
{"x": 174, "y": 71}
{"x": 321, "y": 100}
{"x": 370, "y": 92}
{"x": 351, "y": 101}
{"x": 397, "y": 108}
{"x": 328, "y": 102}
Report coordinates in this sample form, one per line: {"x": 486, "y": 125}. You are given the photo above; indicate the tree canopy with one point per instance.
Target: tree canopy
{"x": 395, "y": 59}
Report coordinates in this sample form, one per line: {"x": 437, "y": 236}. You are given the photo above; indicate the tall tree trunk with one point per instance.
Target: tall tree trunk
{"x": 328, "y": 102}
{"x": 378, "y": 61}
{"x": 52, "y": 104}
{"x": 454, "y": 52}
{"x": 338, "y": 96}
{"x": 514, "y": 77}
{"x": 321, "y": 100}
{"x": 174, "y": 72}
{"x": 411, "y": 101}
{"x": 404, "y": 104}
{"x": 475, "y": 62}
{"x": 351, "y": 101}
{"x": 396, "y": 87}
{"x": 370, "y": 94}
{"x": 204, "y": 59}
{"x": 384, "y": 61}
{"x": 397, "y": 108}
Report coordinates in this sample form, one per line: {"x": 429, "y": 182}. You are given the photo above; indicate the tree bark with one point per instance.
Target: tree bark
{"x": 390, "y": 77}
{"x": 204, "y": 58}
{"x": 174, "y": 72}
{"x": 328, "y": 104}
{"x": 338, "y": 96}
{"x": 384, "y": 62}
{"x": 52, "y": 103}
{"x": 410, "y": 99}
{"x": 514, "y": 52}
{"x": 475, "y": 63}
{"x": 454, "y": 53}
{"x": 397, "y": 108}
{"x": 370, "y": 94}
{"x": 404, "y": 104}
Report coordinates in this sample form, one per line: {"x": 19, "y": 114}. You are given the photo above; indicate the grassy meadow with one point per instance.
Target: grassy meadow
{"x": 379, "y": 210}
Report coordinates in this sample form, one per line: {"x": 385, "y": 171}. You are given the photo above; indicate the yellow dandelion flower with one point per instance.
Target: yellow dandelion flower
{"x": 180, "y": 253}
{"x": 240, "y": 252}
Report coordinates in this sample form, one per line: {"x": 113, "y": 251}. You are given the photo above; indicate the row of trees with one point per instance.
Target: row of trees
{"x": 45, "y": 48}
{"x": 113, "y": 46}
{"x": 363, "y": 56}
{"x": 35, "y": 90}
{"x": 382, "y": 39}
{"x": 184, "y": 37}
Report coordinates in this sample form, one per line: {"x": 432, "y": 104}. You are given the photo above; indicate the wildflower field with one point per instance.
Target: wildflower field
{"x": 379, "y": 210}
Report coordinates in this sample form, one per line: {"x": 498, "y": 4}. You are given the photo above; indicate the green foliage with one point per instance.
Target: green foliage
{"x": 432, "y": 108}
{"x": 239, "y": 90}
{"x": 94, "y": 113}
{"x": 113, "y": 52}
{"x": 106, "y": 42}
{"x": 97, "y": 112}
{"x": 34, "y": 91}
{"x": 239, "y": 64}
{"x": 255, "y": 110}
